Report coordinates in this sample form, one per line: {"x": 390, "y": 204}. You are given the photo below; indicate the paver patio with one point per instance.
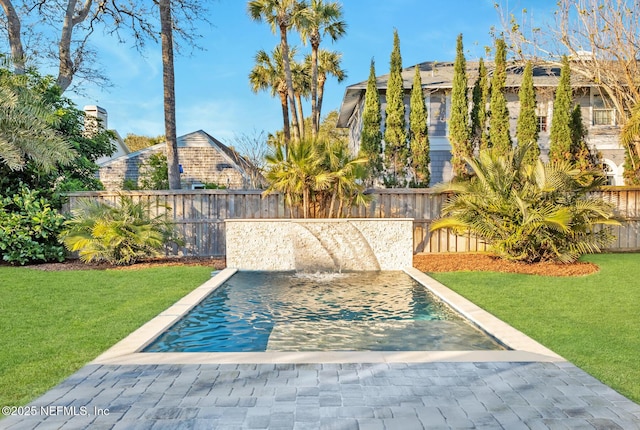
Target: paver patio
{"x": 434, "y": 395}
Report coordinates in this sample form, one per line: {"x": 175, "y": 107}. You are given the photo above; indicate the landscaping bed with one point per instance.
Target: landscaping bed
{"x": 430, "y": 263}
{"x": 482, "y": 262}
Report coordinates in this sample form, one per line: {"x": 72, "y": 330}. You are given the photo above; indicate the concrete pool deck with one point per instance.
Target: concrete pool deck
{"x": 526, "y": 387}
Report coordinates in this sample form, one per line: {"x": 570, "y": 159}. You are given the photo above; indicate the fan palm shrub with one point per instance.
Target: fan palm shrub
{"x": 529, "y": 213}
{"x": 119, "y": 234}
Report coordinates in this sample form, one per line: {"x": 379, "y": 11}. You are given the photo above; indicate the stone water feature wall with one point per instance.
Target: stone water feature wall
{"x": 312, "y": 245}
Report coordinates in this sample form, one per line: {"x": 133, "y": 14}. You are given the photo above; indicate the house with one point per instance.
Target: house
{"x": 437, "y": 80}
{"x": 203, "y": 160}
{"x": 96, "y": 116}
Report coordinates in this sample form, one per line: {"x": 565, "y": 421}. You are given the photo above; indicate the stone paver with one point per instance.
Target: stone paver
{"x": 330, "y": 396}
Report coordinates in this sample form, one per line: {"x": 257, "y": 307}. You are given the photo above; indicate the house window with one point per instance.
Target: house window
{"x": 438, "y": 114}
{"x": 542, "y": 124}
{"x": 602, "y": 116}
{"x": 601, "y": 111}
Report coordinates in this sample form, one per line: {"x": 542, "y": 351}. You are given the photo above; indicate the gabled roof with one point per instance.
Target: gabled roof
{"x": 195, "y": 139}
{"x": 436, "y": 75}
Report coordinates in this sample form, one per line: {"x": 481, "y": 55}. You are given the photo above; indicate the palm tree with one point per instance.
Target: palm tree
{"x": 268, "y": 73}
{"x": 528, "y": 213}
{"x": 302, "y": 87}
{"x": 320, "y": 18}
{"x": 342, "y": 175}
{"x": 168, "y": 82}
{"x": 281, "y": 15}
{"x": 296, "y": 174}
{"x": 26, "y": 128}
{"x": 328, "y": 64}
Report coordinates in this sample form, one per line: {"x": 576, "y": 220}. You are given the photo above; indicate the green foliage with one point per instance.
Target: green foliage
{"x": 78, "y": 173}
{"x": 480, "y": 96}
{"x": 371, "y": 137}
{"x": 154, "y": 173}
{"x": 119, "y": 234}
{"x": 29, "y": 228}
{"x": 27, "y": 127}
{"x": 529, "y": 213}
{"x": 418, "y": 116}
{"x": 136, "y": 142}
{"x": 581, "y": 155}
{"x": 459, "y": 135}
{"x": 527, "y": 126}
{"x": 560, "y": 138}
{"x": 129, "y": 184}
{"x": 630, "y": 140}
{"x": 499, "y": 135}
{"x": 395, "y": 133}
{"x": 316, "y": 174}
{"x": 214, "y": 186}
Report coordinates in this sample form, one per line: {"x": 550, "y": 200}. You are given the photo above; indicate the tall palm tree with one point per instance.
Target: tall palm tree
{"x": 168, "y": 82}
{"x": 268, "y": 73}
{"x": 320, "y": 18}
{"x": 328, "y": 64}
{"x": 300, "y": 73}
{"x": 281, "y": 15}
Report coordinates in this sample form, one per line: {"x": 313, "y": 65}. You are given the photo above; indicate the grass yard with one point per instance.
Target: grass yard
{"x": 592, "y": 321}
{"x": 53, "y": 323}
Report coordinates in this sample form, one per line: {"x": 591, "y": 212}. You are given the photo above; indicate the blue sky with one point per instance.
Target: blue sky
{"x": 212, "y": 87}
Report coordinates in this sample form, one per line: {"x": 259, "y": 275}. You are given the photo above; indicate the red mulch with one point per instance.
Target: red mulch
{"x": 452, "y": 262}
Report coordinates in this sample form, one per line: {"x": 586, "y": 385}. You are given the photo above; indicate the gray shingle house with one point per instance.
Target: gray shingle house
{"x": 203, "y": 159}
{"x": 598, "y": 114}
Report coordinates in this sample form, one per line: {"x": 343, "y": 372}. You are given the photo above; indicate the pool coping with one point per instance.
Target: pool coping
{"x": 522, "y": 347}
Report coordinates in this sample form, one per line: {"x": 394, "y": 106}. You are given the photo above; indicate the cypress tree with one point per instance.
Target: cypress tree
{"x": 371, "y": 137}
{"x": 395, "y": 133}
{"x": 560, "y": 136}
{"x": 418, "y": 124}
{"x": 499, "y": 118}
{"x": 480, "y": 95}
{"x": 459, "y": 137}
{"x": 527, "y": 127}
{"x": 581, "y": 155}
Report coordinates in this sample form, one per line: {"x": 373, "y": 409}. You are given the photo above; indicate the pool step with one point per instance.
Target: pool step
{"x": 403, "y": 335}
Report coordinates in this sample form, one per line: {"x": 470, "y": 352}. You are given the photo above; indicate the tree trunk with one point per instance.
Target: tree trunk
{"x": 66, "y": 68}
{"x": 285, "y": 118}
{"x": 168, "y": 80}
{"x": 300, "y": 114}
{"x": 15, "y": 38}
{"x": 284, "y": 46}
{"x": 315, "y": 123}
{"x": 321, "y": 81}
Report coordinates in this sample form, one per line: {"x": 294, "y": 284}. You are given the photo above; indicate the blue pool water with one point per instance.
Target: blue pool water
{"x": 284, "y": 311}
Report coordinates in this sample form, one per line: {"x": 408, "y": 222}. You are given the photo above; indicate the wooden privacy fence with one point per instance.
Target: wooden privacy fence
{"x": 199, "y": 215}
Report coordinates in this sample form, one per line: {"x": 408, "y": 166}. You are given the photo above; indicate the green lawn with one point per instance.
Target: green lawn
{"x": 592, "y": 321}
{"x": 53, "y": 323}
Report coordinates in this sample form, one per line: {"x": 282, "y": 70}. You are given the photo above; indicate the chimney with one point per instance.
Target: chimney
{"x": 95, "y": 116}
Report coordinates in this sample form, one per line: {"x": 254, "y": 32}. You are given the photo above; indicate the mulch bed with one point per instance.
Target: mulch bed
{"x": 453, "y": 262}
{"x": 214, "y": 263}
{"x": 447, "y": 262}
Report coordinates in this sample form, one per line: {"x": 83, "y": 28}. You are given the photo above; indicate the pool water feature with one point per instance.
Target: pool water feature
{"x": 288, "y": 311}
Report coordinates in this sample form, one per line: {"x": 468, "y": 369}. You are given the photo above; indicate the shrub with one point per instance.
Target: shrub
{"x": 119, "y": 234}
{"x": 29, "y": 228}
{"x": 529, "y": 213}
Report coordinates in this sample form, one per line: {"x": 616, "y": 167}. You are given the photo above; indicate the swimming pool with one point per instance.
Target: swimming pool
{"x": 286, "y": 311}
